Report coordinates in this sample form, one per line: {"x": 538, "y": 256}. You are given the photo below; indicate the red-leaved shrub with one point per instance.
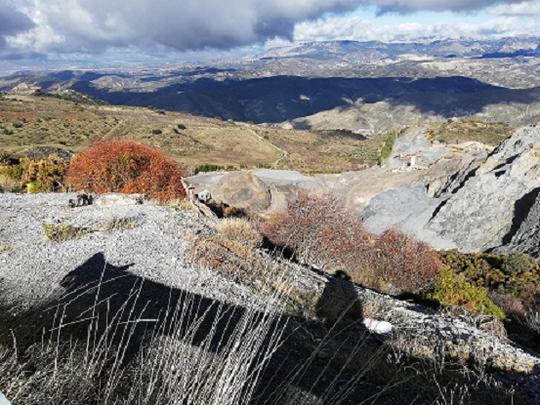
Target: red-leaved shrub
{"x": 321, "y": 232}
{"x": 405, "y": 263}
{"x": 125, "y": 166}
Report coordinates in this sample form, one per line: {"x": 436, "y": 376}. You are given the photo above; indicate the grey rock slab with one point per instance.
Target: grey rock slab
{"x": 408, "y": 209}
{"x": 480, "y": 215}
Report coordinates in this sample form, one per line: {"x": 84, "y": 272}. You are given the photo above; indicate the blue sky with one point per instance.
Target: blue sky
{"x": 45, "y": 33}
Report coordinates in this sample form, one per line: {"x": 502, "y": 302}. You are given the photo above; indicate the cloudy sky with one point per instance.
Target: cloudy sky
{"x": 107, "y": 31}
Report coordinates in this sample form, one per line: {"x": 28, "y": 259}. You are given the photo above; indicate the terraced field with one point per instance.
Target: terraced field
{"x": 30, "y": 121}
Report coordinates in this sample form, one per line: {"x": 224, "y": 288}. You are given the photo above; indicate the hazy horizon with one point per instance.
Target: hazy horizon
{"x": 38, "y": 34}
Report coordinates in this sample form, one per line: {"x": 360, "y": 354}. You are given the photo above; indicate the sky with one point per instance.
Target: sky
{"x": 112, "y": 32}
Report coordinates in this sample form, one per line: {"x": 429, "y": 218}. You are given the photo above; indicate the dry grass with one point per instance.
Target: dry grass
{"x": 241, "y": 231}
{"x": 63, "y": 232}
{"x": 189, "y": 140}
{"x": 465, "y": 130}
{"x": 6, "y": 248}
{"x": 119, "y": 224}
{"x": 9, "y": 184}
{"x": 168, "y": 370}
{"x": 532, "y": 320}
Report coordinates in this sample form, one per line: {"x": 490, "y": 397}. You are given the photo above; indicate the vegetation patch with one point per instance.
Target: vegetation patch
{"x": 322, "y": 233}
{"x": 373, "y": 151}
{"x": 454, "y": 289}
{"x": 206, "y": 168}
{"x": 119, "y": 224}
{"x": 241, "y": 231}
{"x": 466, "y": 130}
{"x": 234, "y": 253}
{"x": 125, "y": 166}
{"x": 64, "y": 232}
{"x": 517, "y": 275}
{"x": 387, "y": 146}
{"x": 6, "y": 248}
{"x": 512, "y": 281}
{"x": 43, "y": 175}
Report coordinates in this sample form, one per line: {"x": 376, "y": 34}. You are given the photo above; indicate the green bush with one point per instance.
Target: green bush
{"x": 44, "y": 175}
{"x": 157, "y": 131}
{"x": 387, "y": 146}
{"x": 14, "y": 171}
{"x": 513, "y": 274}
{"x": 454, "y": 289}
{"x": 63, "y": 232}
{"x": 205, "y": 168}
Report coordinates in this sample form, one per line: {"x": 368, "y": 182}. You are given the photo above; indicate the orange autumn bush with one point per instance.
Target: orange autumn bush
{"x": 125, "y": 166}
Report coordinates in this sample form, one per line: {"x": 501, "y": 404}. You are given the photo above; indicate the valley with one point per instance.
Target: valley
{"x": 331, "y": 222}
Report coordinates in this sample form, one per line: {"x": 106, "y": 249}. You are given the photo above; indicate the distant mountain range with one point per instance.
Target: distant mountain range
{"x": 441, "y": 79}
{"x": 375, "y": 50}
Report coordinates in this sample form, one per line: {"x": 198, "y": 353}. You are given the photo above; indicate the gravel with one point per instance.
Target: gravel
{"x": 155, "y": 246}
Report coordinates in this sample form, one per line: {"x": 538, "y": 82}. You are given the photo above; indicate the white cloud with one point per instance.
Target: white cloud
{"x": 522, "y": 9}
{"x": 72, "y": 26}
{"x": 350, "y": 27}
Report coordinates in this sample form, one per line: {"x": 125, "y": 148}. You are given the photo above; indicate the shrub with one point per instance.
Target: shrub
{"x": 387, "y": 147}
{"x": 517, "y": 275}
{"x": 205, "y": 168}
{"x": 13, "y": 171}
{"x": 157, "y": 131}
{"x": 454, "y": 289}
{"x": 9, "y": 184}
{"x": 43, "y": 175}
{"x": 127, "y": 167}
{"x": 63, "y": 232}
{"x": 406, "y": 264}
{"x": 10, "y": 175}
{"x": 320, "y": 232}
{"x": 241, "y": 231}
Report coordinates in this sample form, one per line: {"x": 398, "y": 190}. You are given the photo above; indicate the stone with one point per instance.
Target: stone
{"x": 117, "y": 199}
{"x": 243, "y": 190}
{"x": 526, "y": 238}
{"x": 483, "y": 212}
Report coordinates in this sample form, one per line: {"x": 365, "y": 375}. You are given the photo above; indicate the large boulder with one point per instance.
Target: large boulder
{"x": 408, "y": 209}
{"x": 486, "y": 210}
{"x": 243, "y": 190}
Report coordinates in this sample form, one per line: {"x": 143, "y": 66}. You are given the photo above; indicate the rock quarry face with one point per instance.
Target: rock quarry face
{"x": 473, "y": 198}
{"x": 407, "y": 208}
{"x": 527, "y": 236}
{"x": 491, "y": 205}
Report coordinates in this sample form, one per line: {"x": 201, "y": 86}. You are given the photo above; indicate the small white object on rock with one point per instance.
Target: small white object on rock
{"x": 3, "y": 400}
{"x": 378, "y": 327}
{"x": 205, "y": 196}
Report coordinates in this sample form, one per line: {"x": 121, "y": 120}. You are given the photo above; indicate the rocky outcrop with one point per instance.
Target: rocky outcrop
{"x": 242, "y": 190}
{"x": 422, "y": 333}
{"x": 526, "y": 238}
{"x": 407, "y": 208}
{"x": 488, "y": 208}
{"x": 156, "y": 250}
